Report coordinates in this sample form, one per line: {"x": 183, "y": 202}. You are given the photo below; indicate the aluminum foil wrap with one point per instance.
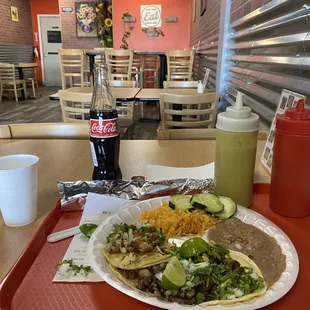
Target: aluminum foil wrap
{"x": 73, "y": 194}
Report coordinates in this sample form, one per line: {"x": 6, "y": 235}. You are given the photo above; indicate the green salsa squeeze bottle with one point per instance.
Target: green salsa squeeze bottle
{"x": 236, "y": 142}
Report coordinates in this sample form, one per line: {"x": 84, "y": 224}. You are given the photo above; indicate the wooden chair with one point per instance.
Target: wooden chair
{"x": 180, "y": 84}
{"x": 31, "y": 76}
{"x": 72, "y": 66}
{"x": 138, "y": 70}
{"x": 200, "y": 112}
{"x": 8, "y": 81}
{"x": 196, "y": 134}
{"x": 151, "y": 70}
{"x": 180, "y": 64}
{"x": 74, "y": 106}
{"x": 119, "y": 64}
{"x": 123, "y": 84}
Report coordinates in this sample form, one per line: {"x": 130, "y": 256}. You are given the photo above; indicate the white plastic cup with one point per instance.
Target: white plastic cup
{"x": 18, "y": 189}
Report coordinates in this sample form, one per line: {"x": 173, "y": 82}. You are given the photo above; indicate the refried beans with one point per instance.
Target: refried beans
{"x": 235, "y": 235}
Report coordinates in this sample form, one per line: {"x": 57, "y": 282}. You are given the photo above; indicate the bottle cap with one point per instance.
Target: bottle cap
{"x": 238, "y": 118}
{"x": 295, "y": 120}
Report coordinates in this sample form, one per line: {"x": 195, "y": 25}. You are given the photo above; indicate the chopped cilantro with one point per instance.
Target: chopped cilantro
{"x": 74, "y": 267}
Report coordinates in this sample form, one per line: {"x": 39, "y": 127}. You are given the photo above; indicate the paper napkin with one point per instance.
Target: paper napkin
{"x": 158, "y": 173}
{"x": 97, "y": 208}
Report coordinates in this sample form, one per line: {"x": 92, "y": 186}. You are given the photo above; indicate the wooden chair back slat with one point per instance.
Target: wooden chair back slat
{"x": 123, "y": 84}
{"x": 181, "y": 84}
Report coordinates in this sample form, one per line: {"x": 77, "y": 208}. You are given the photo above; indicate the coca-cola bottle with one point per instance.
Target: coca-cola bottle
{"x": 103, "y": 128}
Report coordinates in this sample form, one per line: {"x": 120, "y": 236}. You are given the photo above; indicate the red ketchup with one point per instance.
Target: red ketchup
{"x": 290, "y": 177}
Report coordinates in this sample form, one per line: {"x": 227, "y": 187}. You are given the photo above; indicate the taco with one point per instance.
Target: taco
{"x": 215, "y": 277}
{"x": 136, "y": 246}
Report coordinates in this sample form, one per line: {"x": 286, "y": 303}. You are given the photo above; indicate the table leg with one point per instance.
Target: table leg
{"x": 147, "y": 120}
{"x": 163, "y": 70}
{"x": 21, "y": 77}
{"x": 91, "y": 65}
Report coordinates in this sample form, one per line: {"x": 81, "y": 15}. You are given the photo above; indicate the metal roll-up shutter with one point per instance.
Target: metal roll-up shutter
{"x": 13, "y": 53}
{"x": 269, "y": 50}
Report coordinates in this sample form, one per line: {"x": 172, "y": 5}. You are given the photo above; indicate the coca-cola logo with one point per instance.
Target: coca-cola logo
{"x": 104, "y": 128}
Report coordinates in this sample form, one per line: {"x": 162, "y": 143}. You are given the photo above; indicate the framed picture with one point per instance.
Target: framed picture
{"x": 203, "y": 6}
{"x": 14, "y": 14}
{"x": 86, "y": 25}
{"x": 194, "y": 9}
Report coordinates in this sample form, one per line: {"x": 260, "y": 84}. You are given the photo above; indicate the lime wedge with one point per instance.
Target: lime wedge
{"x": 193, "y": 247}
{"x": 174, "y": 275}
{"x": 88, "y": 229}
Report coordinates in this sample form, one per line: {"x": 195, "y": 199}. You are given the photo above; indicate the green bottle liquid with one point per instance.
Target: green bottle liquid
{"x": 236, "y": 142}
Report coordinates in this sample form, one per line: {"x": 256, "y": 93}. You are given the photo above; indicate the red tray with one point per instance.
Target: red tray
{"x": 28, "y": 285}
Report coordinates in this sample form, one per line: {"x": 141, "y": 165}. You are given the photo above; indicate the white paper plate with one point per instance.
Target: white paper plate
{"x": 132, "y": 213}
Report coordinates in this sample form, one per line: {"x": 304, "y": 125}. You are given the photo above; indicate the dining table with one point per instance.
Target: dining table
{"x": 70, "y": 160}
{"x": 153, "y": 94}
{"x": 120, "y": 93}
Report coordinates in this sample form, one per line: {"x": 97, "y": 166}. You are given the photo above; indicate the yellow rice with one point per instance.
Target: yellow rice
{"x": 177, "y": 223}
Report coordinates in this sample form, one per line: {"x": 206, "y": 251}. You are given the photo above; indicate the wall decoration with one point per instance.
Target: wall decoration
{"x": 153, "y": 32}
{"x": 150, "y": 16}
{"x": 86, "y": 25}
{"x": 203, "y": 6}
{"x": 127, "y": 29}
{"x": 194, "y": 10}
{"x": 171, "y": 19}
{"x": 104, "y": 19}
{"x": 14, "y": 14}
{"x": 67, "y": 9}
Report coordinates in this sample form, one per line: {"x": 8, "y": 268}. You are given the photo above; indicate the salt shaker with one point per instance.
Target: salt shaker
{"x": 236, "y": 142}
{"x": 290, "y": 176}
{"x": 200, "y": 89}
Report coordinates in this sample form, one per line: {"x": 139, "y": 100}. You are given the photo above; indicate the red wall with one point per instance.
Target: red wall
{"x": 41, "y": 7}
{"x": 176, "y": 34}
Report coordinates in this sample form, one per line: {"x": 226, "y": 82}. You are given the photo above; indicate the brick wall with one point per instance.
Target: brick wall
{"x": 16, "y": 32}
{"x": 68, "y": 28}
{"x": 207, "y": 25}
{"x": 240, "y": 8}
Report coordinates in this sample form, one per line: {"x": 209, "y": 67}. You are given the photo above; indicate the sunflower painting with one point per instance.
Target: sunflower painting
{"x": 86, "y": 19}
{"x": 104, "y": 13}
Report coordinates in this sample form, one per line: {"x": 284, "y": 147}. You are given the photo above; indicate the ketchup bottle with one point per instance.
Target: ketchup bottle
{"x": 290, "y": 177}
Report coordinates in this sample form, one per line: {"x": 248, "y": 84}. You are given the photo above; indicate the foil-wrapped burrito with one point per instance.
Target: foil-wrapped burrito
{"x": 73, "y": 194}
